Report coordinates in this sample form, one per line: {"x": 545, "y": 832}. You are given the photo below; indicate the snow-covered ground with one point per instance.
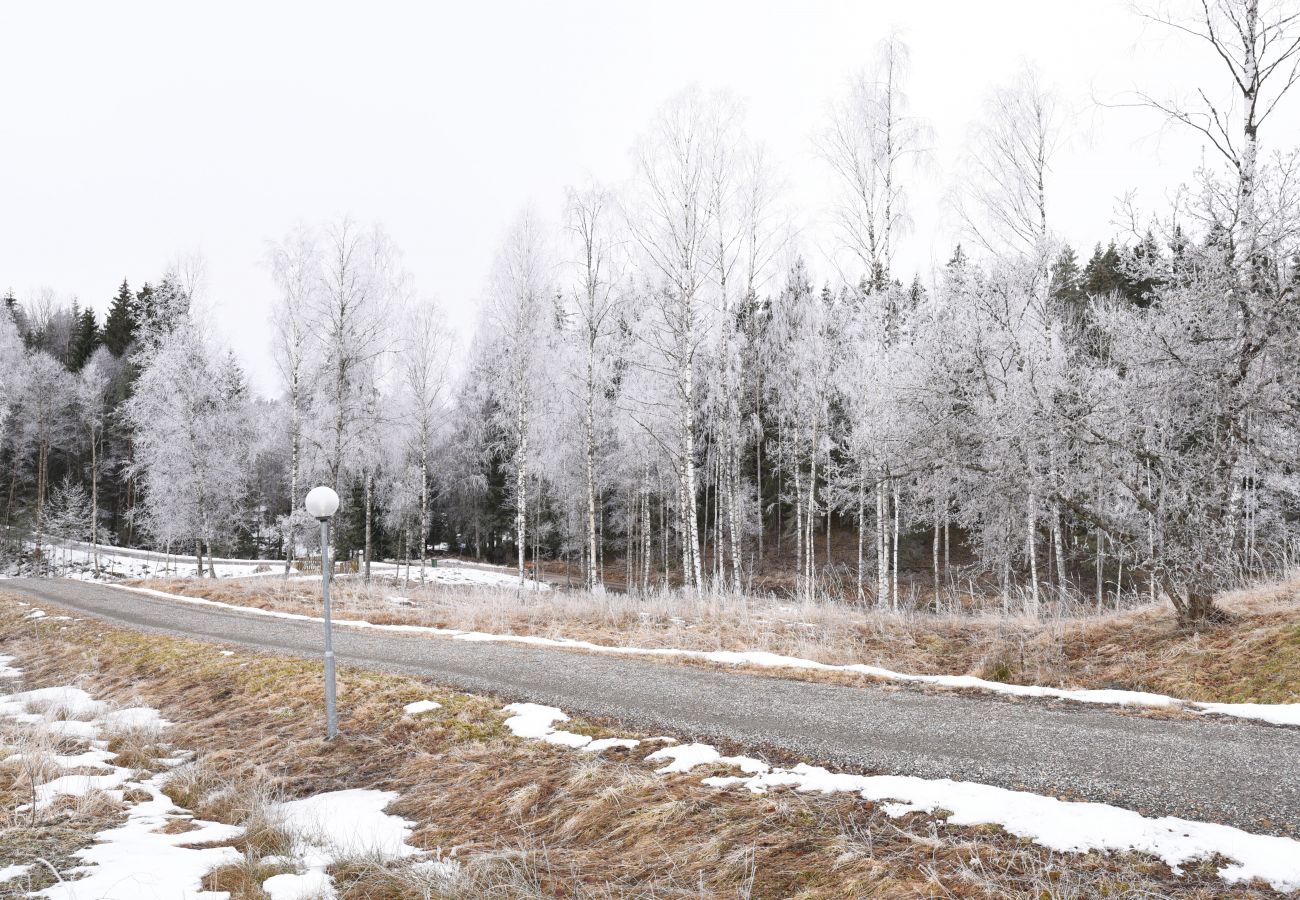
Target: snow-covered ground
{"x": 1065, "y": 826}
{"x": 73, "y": 559}
{"x": 1274, "y": 713}
{"x": 338, "y": 825}
{"x": 148, "y": 857}
{"x": 139, "y": 859}
{"x": 77, "y": 560}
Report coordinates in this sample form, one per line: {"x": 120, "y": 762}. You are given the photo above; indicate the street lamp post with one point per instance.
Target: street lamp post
{"x": 321, "y": 504}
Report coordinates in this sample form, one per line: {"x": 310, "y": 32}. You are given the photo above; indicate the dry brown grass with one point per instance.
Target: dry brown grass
{"x": 1253, "y": 658}
{"x": 529, "y": 820}
{"x": 52, "y": 833}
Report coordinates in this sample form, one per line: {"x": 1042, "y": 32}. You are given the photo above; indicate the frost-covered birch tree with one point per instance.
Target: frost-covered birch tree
{"x": 193, "y": 438}
{"x": 594, "y": 302}
{"x": 520, "y": 290}
{"x": 424, "y": 394}
{"x": 295, "y": 264}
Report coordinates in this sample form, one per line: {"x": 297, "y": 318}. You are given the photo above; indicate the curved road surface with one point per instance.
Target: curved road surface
{"x": 1237, "y": 773}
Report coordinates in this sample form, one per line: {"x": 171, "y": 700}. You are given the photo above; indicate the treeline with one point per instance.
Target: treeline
{"x": 662, "y": 392}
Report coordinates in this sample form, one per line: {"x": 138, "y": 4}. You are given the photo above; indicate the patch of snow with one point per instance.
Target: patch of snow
{"x": 421, "y": 706}
{"x": 338, "y": 825}
{"x": 6, "y": 670}
{"x": 79, "y": 785}
{"x": 455, "y": 574}
{"x": 1063, "y": 825}
{"x": 227, "y": 652}
{"x": 532, "y": 720}
{"x": 602, "y": 744}
{"x": 134, "y": 717}
{"x": 139, "y": 861}
{"x": 1276, "y": 713}
{"x": 94, "y": 758}
{"x": 36, "y": 614}
{"x": 59, "y": 702}
{"x": 85, "y": 731}
{"x": 9, "y": 873}
{"x": 311, "y": 885}
{"x": 447, "y": 867}
{"x": 685, "y": 757}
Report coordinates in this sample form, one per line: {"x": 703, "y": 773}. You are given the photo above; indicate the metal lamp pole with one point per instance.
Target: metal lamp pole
{"x": 322, "y": 503}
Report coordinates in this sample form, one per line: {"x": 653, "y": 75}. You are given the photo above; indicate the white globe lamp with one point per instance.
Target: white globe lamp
{"x": 322, "y": 502}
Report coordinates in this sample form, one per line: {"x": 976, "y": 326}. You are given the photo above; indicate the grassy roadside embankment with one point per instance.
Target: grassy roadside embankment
{"x": 1255, "y": 658}
{"x": 525, "y": 819}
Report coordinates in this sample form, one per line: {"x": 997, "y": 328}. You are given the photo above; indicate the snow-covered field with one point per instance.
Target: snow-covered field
{"x": 82, "y": 562}
{"x": 1065, "y": 826}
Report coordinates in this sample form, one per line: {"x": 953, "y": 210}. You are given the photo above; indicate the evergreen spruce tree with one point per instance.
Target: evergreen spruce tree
{"x": 85, "y": 340}
{"x": 1067, "y": 280}
{"x": 119, "y": 327}
{"x": 1106, "y": 274}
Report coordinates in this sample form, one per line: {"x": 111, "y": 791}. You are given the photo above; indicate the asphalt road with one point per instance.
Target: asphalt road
{"x": 1237, "y": 773}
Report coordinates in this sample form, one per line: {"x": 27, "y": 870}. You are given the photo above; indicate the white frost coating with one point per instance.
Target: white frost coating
{"x": 35, "y": 614}
{"x": 1278, "y": 713}
{"x": 312, "y": 885}
{"x": 1067, "y": 826}
{"x": 421, "y": 706}
{"x": 532, "y": 720}
{"x": 685, "y": 757}
{"x": 8, "y": 671}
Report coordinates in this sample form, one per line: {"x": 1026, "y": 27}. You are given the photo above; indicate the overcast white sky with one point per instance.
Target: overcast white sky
{"x": 133, "y": 132}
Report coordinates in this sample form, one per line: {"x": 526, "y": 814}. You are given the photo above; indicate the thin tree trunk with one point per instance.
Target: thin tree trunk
{"x": 882, "y": 550}
{"x": 589, "y": 435}
{"x": 934, "y": 561}
{"x": 894, "y": 598}
{"x": 862, "y": 526}
{"x": 369, "y": 482}
{"x": 1058, "y": 547}
{"x": 94, "y": 502}
{"x": 1031, "y": 549}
